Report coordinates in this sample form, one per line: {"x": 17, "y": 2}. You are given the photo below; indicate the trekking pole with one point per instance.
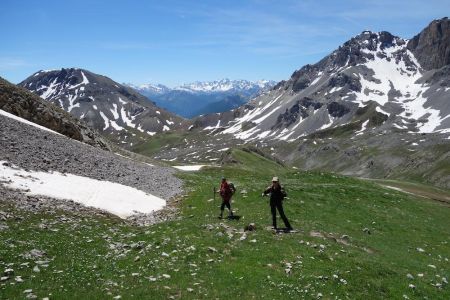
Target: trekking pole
{"x": 214, "y": 191}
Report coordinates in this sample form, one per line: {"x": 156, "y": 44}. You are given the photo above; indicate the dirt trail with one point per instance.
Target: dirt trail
{"x": 419, "y": 190}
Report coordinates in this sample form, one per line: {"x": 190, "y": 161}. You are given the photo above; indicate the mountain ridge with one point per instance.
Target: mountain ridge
{"x": 113, "y": 109}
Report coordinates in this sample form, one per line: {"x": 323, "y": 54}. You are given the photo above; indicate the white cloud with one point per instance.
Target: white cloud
{"x": 9, "y": 63}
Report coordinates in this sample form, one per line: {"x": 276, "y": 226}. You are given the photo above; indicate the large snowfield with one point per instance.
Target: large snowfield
{"x": 115, "y": 198}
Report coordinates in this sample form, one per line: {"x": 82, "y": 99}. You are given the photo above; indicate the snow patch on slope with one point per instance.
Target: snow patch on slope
{"x": 50, "y": 90}
{"x": 114, "y": 111}
{"x": 251, "y": 116}
{"x": 125, "y": 118}
{"x": 115, "y": 198}
{"x": 83, "y": 82}
{"x": 105, "y": 119}
{"x": 392, "y": 74}
{"x": 72, "y": 99}
{"x": 363, "y": 128}
{"x": 189, "y": 168}
{"x": 116, "y": 126}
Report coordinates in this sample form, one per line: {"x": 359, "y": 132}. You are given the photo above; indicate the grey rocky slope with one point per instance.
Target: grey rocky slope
{"x": 115, "y": 110}
{"x": 197, "y": 98}
{"x": 30, "y": 148}
{"x": 25, "y": 104}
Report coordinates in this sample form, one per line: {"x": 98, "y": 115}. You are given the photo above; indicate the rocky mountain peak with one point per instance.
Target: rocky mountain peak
{"x": 358, "y": 50}
{"x": 51, "y": 83}
{"x": 382, "y": 37}
{"x": 367, "y": 41}
{"x": 113, "y": 109}
{"x": 432, "y": 45}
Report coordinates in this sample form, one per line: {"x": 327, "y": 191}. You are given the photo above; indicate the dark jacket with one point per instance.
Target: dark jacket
{"x": 276, "y": 194}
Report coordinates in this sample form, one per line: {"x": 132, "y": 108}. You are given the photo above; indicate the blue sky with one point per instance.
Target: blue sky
{"x": 175, "y": 41}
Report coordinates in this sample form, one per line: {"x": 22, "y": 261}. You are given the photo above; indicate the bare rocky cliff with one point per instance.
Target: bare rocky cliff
{"x": 432, "y": 46}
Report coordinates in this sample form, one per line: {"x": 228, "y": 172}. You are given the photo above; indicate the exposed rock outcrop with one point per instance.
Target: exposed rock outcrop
{"x": 432, "y": 46}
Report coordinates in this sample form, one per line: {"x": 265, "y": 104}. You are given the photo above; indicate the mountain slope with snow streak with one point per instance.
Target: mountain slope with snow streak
{"x": 107, "y": 106}
{"x": 375, "y": 72}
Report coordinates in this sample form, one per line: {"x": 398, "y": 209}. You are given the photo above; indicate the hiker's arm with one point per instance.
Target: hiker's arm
{"x": 267, "y": 191}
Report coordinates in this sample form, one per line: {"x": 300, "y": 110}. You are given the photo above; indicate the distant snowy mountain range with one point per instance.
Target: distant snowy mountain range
{"x": 193, "y": 99}
{"x": 224, "y": 85}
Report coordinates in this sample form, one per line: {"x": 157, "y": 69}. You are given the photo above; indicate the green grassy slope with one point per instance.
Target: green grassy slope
{"x": 251, "y": 161}
{"x": 154, "y": 144}
{"x": 356, "y": 240}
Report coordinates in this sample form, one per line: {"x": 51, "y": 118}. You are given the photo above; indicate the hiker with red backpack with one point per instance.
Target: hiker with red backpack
{"x": 226, "y": 191}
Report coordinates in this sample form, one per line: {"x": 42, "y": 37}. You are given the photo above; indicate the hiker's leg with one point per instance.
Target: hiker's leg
{"x": 283, "y": 216}
{"x": 228, "y": 204}
{"x": 222, "y": 207}
{"x": 273, "y": 210}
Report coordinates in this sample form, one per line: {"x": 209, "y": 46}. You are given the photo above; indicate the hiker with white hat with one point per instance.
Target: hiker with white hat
{"x": 277, "y": 194}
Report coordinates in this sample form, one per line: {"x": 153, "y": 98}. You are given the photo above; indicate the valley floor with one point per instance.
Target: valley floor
{"x": 355, "y": 240}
